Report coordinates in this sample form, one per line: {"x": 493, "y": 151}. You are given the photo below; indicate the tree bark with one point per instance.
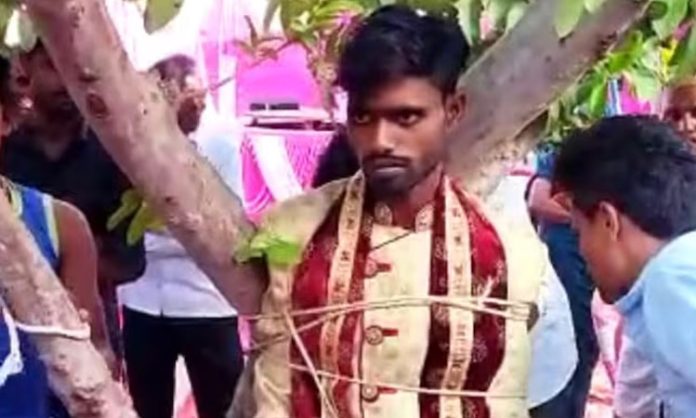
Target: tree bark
{"x": 138, "y": 128}
{"x": 77, "y": 372}
{"x": 517, "y": 78}
{"x": 488, "y": 169}
{"x": 507, "y": 89}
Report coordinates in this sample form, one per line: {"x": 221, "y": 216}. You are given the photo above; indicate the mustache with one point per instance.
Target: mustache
{"x": 380, "y": 160}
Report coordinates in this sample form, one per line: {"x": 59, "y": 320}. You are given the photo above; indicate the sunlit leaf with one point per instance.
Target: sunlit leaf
{"x": 469, "y": 15}
{"x": 593, "y": 5}
{"x": 160, "y": 12}
{"x": 277, "y": 251}
{"x": 498, "y": 11}
{"x": 270, "y": 13}
{"x": 291, "y": 10}
{"x": 667, "y": 24}
{"x": 685, "y": 57}
{"x": 568, "y": 14}
{"x": 646, "y": 86}
{"x": 130, "y": 203}
{"x": 598, "y": 100}
{"x": 515, "y": 14}
{"x": 144, "y": 220}
{"x": 626, "y": 54}
{"x": 20, "y": 33}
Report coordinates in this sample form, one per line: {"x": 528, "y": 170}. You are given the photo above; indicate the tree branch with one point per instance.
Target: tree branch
{"x": 77, "y": 372}
{"x": 138, "y": 128}
{"x": 525, "y": 71}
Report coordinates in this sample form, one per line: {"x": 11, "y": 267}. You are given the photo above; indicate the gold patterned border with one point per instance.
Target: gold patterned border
{"x": 459, "y": 275}
{"x": 342, "y": 272}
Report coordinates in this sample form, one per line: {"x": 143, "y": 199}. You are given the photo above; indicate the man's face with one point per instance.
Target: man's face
{"x": 399, "y": 132}
{"x": 680, "y": 110}
{"x": 46, "y": 87}
{"x": 603, "y": 250}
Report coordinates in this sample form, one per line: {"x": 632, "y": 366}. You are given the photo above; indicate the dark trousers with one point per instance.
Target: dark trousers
{"x": 572, "y": 272}
{"x": 211, "y": 351}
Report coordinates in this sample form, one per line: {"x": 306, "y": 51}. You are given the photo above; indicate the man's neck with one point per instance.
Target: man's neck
{"x": 405, "y": 208}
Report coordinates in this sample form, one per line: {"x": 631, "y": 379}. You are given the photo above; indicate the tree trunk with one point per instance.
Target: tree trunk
{"x": 518, "y": 77}
{"x": 489, "y": 168}
{"x": 507, "y": 89}
{"x": 77, "y": 372}
{"x": 139, "y": 130}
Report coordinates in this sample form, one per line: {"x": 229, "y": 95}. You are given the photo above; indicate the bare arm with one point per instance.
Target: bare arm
{"x": 542, "y": 204}
{"x": 78, "y": 271}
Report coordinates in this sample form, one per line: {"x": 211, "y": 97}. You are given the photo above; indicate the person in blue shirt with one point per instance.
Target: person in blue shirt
{"x": 632, "y": 182}
{"x": 553, "y": 220}
{"x": 63, "y": 238}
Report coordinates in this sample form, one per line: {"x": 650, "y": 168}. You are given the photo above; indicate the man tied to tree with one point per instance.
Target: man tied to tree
{"x": 53, "y": 151}
{"x": 407, "y": 300}
{"x": 64, "y": 239}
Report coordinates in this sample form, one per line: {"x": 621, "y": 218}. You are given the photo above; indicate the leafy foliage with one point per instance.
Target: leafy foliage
{"x": 277, "y": 251}
{"x": 160, "y": 12}
{"x": 142, "y": 218}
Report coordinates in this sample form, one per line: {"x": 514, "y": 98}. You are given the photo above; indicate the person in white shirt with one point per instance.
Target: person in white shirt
{"x": 174, "y": 309}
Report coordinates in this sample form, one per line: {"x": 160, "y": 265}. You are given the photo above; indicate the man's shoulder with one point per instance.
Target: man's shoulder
{"x": 307, "y": 205}
{"x": 675, "y": 259}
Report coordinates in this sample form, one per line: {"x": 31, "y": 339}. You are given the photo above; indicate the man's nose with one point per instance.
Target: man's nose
{"x": 384, "y": 137}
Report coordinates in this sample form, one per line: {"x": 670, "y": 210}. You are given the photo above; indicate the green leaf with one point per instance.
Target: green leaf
{"x": 20, "y": 33}
{"x": 270, "y": 13}
{"x": 160, "y": 12}
{"x": 598, "y": 100}
{"x": 685, "y": 64}
{"x": 515, "y": 14}
{"x": 130, "y": 203}
{"x": 144, "y": 220}
{"x": 498, "y": 11}
{"x": 469, "y": 15}
{"x": 568, "y": 14}
{"x": 667, "y": 24}
{"x": 291, "y": 10}
{"x": 646, "y": 86}
{"x": 630, "y": 51}
{"x": 593, "y": 5}
{"x": 657, "y": 10}
{"x": 277, "y": 251}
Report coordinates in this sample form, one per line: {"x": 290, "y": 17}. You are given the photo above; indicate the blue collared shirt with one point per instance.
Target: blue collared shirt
{"x": 660, "y": 317}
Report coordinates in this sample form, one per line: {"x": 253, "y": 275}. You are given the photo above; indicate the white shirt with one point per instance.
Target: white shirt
{"x": 172, "y": 285}
{"x": 554, "y": 355}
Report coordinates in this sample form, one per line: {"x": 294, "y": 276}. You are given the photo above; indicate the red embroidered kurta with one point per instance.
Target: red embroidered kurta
{"x": 398, "y": 345}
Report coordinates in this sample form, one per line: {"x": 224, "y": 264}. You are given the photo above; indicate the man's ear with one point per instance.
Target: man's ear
{"x": 610, "y": 219}
{"x": 455, "y": 106}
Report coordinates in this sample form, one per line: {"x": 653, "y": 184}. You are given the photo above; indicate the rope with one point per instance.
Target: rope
{"x": 310, "y": 367}
{"x": 471, "y": 303}
{"x": 81, "y": 334}
{"x": 510, "y": 310}
{"x": 411, "y": 389}
{"x": 13, "y": 363}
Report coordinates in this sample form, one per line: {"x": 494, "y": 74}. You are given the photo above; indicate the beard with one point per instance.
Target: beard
{"x": 396, "y": 183}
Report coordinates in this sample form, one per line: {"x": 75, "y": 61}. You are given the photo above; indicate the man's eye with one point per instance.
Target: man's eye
{"x": 407, "y": 118}
{"x": 360, "y": 118}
